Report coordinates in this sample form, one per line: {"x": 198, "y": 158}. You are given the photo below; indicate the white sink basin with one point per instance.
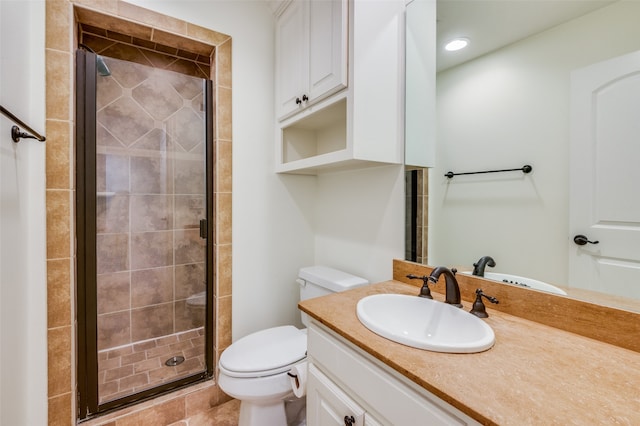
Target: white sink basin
{"x": 424, "y": 323}
{"x": 522, "y": 281}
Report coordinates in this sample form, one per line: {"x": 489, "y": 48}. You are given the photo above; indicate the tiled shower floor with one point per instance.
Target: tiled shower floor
{"x": 132, "y": 368}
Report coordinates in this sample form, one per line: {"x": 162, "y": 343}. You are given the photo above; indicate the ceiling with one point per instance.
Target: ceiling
{"x": 492, "y": 24}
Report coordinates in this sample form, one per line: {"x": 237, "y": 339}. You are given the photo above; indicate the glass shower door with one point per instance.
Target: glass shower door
{"x": 150, "y": 165}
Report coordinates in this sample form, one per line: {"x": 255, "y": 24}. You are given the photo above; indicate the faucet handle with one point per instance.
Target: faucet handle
{"x": 425, "y": 291}
{"x": 478, "y": 308}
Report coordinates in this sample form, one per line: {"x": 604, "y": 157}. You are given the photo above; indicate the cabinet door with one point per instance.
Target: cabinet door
{"x": 328, "y": 48}
{"x": 292, "y": 63}
{"x": 328, "y": 405}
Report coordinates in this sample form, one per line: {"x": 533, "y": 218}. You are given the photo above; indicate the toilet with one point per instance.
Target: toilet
{"x": 254, "y": 369}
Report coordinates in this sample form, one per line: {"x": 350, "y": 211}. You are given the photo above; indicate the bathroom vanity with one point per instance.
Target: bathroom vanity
{"x": 346, "y": 382}
{"x": 534, "y": 374}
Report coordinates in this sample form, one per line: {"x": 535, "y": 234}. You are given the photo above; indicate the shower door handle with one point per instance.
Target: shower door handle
{"x": 203, "y": 229}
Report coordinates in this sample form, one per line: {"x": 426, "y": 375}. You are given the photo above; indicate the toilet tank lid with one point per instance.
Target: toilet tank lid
{"x": 331, "y": 279}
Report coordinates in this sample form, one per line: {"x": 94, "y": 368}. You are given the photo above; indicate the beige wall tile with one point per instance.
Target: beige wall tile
{"x": 59, "y": 360}
{"x": 161, "y": 414}
{"x": 223, "y": 62}
{"x": 108, "y": 22}
{"x": 58, "y": 84}
{"x": 58, "y": 224}
{"x": 223, "y": 218}
{"x": 223, "y": 310}
{"x": 58, "y": 292}
{"x": 183, "y": 43}
{"x": 58, "y": 167}
{"x": 224, "y": 113}
{"x": 224, "y": 166}
{"x": 151, "y": 321}
{"x": 223, "y": 276}
{"x": 60, "y": 410}
{"x": 206, "y": 35}
{"x": 201, "y": 400}
{"x": 187, "y": 67}
{"x": 59, "y": 19}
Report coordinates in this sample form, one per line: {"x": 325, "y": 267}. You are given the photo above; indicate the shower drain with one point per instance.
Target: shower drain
{"x": 174, "y": 360}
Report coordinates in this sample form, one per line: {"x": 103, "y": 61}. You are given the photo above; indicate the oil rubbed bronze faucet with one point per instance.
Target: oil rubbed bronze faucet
{"x": 478, "y": 267}
{"x": 424, "y": 291}
{"x": 478, "y": 308}
{"x": 452, "y": 288}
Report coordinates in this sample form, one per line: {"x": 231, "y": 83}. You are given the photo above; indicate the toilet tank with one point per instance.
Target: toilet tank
{"x": 320, "y": 280}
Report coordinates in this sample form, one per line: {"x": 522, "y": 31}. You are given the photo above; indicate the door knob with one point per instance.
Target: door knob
{"x": 582, "y": 240}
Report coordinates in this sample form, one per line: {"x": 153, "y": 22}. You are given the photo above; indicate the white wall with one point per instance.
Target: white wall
{"x": 23, "y": 291}
{"x": 504, "y": 110}
{"x": 359, "y": 221}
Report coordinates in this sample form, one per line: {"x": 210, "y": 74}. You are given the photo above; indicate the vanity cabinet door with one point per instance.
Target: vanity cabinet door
{"x": 311, "y": 53}
{"x": 384, "y": 395}
{"x": 328, "y": 405}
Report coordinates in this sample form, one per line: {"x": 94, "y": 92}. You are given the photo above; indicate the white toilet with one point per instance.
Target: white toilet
{"x": 254, "y": 368}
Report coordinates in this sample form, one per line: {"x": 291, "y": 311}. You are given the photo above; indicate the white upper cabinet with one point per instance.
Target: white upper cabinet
{"x": 339, "y": 85}
{"x": 312, "y": 53}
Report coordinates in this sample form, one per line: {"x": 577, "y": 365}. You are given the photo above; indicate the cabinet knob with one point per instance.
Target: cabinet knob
{"x": 349, "y": 420}
{"x": 298, "y": 101}
{"x": 305, "y": 98}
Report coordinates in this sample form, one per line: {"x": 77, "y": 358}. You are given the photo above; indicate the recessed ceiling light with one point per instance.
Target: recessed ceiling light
{"x": 456, "y": 44}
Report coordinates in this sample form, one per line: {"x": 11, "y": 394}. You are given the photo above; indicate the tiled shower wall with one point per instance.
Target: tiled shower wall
{"x": 423, "y": 215}
{"x": 150, "y": 199}
{"x": 422, "y": 224}
{"x": 62, "y": 17}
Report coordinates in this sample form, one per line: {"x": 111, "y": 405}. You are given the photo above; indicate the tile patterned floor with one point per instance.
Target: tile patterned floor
{"x": 223, "y": 415}
{"x": 132, "y": 368}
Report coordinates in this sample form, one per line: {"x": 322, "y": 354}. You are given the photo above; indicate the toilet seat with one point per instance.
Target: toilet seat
{"x": 265, "y": 353}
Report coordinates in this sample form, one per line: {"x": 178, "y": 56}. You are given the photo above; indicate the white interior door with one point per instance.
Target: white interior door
{"x": 605, "y": 176}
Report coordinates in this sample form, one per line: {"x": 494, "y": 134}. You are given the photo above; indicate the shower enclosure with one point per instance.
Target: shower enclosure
{"x": 144, "y": 160}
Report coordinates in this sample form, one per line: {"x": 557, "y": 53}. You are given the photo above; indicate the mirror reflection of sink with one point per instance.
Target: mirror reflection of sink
{"x": 522, "y": 281}
{"x": 424, "y": 323}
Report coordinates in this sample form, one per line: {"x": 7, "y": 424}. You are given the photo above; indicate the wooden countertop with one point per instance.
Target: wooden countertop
{"x": 533, "y": 375}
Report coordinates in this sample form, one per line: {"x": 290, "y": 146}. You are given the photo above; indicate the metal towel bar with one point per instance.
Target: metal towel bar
{"x": 16, "y": 133}
{"x": 524, "y": 169}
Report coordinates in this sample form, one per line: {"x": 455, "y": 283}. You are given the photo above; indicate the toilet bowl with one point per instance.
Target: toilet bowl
{"x": 254, "y": 368}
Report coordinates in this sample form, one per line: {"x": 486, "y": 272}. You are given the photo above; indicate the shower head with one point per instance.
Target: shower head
{"x": 101, "y": 65}
{"x": 103, "y": 69}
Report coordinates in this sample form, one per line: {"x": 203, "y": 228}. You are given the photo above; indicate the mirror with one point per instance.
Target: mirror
{"x": 506, "y": 108}
{"x": 420, "y": 69}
